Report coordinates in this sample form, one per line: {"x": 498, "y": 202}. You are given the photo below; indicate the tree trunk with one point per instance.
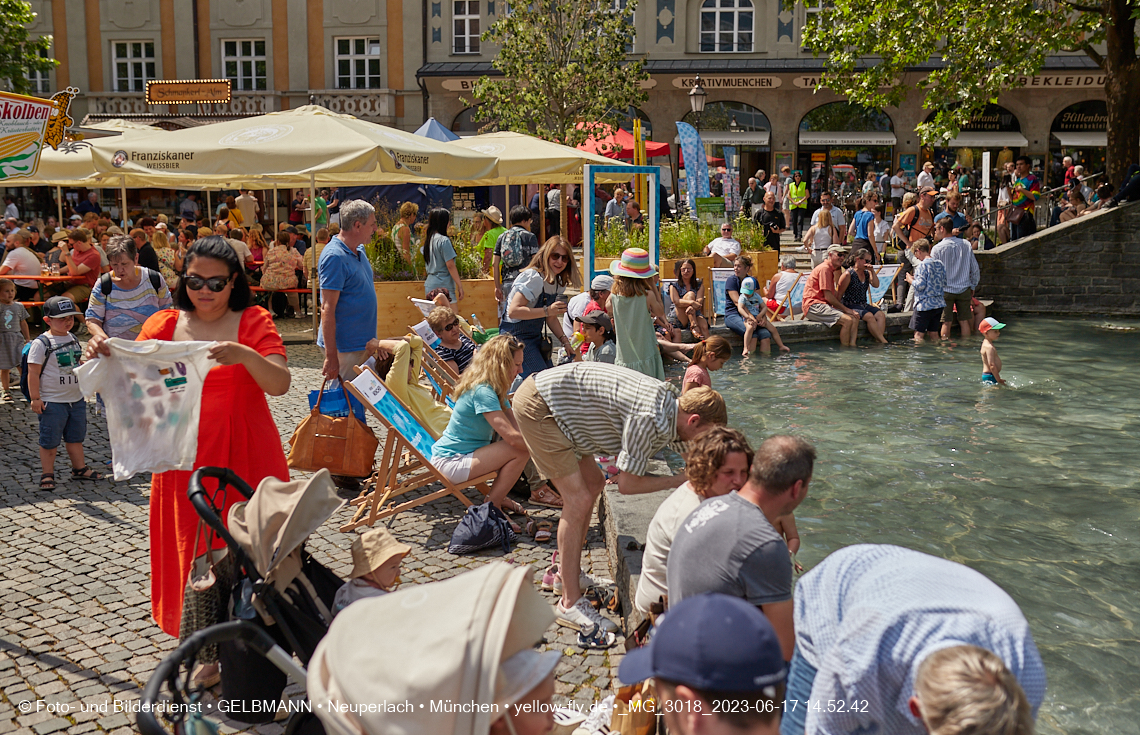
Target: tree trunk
{"x": 1122, "y": 90}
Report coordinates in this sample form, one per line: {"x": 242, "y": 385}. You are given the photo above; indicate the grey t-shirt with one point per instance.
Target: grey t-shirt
{"x": 727, "y": 545}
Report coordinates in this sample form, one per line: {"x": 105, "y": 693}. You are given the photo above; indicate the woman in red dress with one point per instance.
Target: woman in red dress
{"x": 212, "y": 305}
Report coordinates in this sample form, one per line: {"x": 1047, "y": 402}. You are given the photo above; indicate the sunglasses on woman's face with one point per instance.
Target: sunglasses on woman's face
{"x": 216, "y": 284}
{"x": 560, "y": 256}
{"x": 451, "y": 326}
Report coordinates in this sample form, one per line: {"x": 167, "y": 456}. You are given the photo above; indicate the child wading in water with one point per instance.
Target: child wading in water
{"x": 991, "y": 363}
{"x": 13, "y": 336}
{"x": 709, "y": 355}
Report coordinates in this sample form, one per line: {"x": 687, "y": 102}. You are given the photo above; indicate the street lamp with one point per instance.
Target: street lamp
{"x": 697, "y": 97}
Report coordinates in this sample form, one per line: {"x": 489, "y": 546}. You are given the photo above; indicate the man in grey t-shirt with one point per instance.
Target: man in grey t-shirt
{"x": 730, "y": 545}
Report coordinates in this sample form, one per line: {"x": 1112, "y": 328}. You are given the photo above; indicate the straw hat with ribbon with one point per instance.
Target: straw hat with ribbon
{"x": 634, "y": 263}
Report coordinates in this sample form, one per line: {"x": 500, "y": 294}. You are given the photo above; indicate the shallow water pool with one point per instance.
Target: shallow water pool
{"x": 1034, "y": 484}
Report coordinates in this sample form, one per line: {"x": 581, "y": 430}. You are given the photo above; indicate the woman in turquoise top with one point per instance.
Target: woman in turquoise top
{"x": 481, "y": 408}
{"x": 439, "y": 255}
{"x": 631, "y": 304}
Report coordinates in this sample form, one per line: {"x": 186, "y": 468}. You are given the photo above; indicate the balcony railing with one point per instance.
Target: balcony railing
{"x": 374, "y": 105}
{"x": 134, "y": 103}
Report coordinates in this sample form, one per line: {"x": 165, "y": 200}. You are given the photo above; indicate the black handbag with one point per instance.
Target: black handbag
{"x": 482, "y": 527}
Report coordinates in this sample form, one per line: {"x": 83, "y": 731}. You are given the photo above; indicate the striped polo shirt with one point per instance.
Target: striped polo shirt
{"x": 606, "y": 410}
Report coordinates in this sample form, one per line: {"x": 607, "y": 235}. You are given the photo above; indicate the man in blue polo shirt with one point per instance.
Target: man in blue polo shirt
{"x": 348, "y": 298}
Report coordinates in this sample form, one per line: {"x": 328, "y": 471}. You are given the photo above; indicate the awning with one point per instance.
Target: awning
{"x": 846, "y": 138}
{"x": 1082, "y": 140}
{"x": 727, "y": 137}
{"x": 988, "y": 140}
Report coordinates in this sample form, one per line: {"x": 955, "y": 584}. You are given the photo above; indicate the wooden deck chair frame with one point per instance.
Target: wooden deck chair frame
{"x": 402, "y": 469}
{"x": 888, "y": 284}
{"x": 787, "y": 296}
{"x": 431, "y": 356}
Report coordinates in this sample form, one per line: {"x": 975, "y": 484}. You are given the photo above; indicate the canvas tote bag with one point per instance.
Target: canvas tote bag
{"x": 343, "y": 445}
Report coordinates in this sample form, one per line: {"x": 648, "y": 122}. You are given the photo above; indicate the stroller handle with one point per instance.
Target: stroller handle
{"x": 167, "y": 670}
{"x": 199, "y": 498}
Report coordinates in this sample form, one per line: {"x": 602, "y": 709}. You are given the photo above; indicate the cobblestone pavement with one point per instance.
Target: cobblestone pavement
{"x": 75, "y": 625}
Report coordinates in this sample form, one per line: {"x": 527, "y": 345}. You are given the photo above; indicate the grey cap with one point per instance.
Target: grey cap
{"x": 602, "y": 283}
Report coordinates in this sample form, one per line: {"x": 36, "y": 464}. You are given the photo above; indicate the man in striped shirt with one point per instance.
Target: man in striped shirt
{"x": 570, "y": 413}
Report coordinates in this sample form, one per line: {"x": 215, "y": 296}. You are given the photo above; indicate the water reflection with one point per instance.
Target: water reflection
{"x": 1033, "y": 484}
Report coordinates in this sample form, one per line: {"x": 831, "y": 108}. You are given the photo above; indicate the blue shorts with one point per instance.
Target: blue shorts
{"x": 63, "y": 420}
{"x": 989, "y": 379}
{"x": 865, "y": 309}
{"x": 735, "y": 324}
{"x": 797, "y": 695}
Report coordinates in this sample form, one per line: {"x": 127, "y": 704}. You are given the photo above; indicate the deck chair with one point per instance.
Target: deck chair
{"x": 424, "y": 306}
{"x": 795, "y": 299}
{"x": 405, "y": 464}
{"x": 431, "y": 356}
{"x": 441, "y": 385}
{"x": 788, "y": 306}
{"x": 886, "y": 274}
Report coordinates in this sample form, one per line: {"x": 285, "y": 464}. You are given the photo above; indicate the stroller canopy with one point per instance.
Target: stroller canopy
{"x": 277, "y": 520}
{"x": 438, "y": 641}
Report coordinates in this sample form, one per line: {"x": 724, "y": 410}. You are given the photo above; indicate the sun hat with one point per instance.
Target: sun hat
{"x": 60, "y": 306}
{"x": 602, "y": 283}
{"x": 76, "y": 217}
{"x": 748, "y": 286}
{"x": 521, "y": 673}
{"x": 989, "y": 323}
{"x": 372, "y": 548}
{"x": 492, "y": 213}
{"x": 634, "y": 263}
{"x": 714, "y": 642}
{"x": 61, "y": 235}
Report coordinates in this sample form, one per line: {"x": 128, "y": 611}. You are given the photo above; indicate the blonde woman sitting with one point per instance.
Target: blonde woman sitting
{"x": 465, "y": 449}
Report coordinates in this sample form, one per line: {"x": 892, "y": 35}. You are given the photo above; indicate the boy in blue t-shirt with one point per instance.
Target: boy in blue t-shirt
{"x": 55, "y": 394}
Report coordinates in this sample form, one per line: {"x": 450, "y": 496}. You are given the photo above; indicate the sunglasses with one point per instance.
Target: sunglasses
{"x": 451, "y": 326}
{"x": 217, "y": 284}
{"x": 726, "y": 229}
{"x": 560, "y": 256}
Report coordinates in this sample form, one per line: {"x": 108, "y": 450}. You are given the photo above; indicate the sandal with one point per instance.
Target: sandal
{"x": 511, "y": 506}
{"x": 541, "y": 530}
{"x": 86, "y": 473}
{"x": 544, "y": 496}
{"x": 47, "y": 482}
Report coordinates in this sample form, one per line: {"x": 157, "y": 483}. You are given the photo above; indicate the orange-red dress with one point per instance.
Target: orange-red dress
{"x": 235, "y": 430}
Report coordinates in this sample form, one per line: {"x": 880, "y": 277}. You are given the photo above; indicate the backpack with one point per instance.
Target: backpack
{"x": 105, "y": 284}
{"x": 482, "y": 527}
{"x": 46, "y": 342}
{"x": 512, "y": 253}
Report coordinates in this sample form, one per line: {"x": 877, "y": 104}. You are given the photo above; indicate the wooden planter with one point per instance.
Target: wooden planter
{"x": 764, "y": 265}
{"x": 394, "y": 313}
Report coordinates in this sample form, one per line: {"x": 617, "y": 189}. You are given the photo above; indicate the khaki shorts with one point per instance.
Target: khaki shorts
{"x": 349, "y": 360}
{"x": 962, "y": 300}
{"x": 553, "y": 454}
{"x": 823, "y": 313}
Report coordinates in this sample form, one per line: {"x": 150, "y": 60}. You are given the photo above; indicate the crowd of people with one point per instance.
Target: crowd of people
{"x": 721, "y": 548}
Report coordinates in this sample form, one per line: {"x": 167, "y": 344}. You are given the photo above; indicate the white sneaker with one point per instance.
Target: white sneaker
{"x": 583, "y": 615}
{"x": 585, "y": 582}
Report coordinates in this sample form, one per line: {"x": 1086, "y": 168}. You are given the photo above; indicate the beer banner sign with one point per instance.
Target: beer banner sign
{"x": 27, "y": 124}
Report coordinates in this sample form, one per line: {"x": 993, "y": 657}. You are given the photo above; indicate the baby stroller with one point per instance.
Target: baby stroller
{"x": 280, "y": 589}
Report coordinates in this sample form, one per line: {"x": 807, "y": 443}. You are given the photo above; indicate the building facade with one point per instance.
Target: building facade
{"x": 764, "y": 100}
{"x": 353, "y": 56}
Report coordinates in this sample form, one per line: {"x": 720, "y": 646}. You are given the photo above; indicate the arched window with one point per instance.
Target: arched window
{"x": 847, "y": 117}
{"x": 727, "y": 115}
{"x": 625, "y": 122}
{"x": 726, "y": 26}
{"x": 470, "y": 122}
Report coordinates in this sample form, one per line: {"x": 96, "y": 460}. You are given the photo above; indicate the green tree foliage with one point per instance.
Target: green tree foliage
{"x": 19, "y": 53}
{"x": 565, "y": 69}
{"x": 985, "y": 46}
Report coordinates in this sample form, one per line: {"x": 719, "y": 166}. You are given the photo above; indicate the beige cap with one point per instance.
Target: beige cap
{"x": 372, "y": 548}
{"x": 492, "y": 213}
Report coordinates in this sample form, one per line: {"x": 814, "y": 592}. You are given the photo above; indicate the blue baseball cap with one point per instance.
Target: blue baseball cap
{"x": 711, "y": 641}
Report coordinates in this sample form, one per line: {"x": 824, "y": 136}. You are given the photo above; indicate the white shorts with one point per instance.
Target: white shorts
{"x": 456, "y": 467}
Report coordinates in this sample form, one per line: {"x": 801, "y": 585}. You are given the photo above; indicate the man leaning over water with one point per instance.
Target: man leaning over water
{"x": 906, "y": 643}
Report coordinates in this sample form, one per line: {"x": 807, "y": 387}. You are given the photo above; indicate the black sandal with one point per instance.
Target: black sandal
{"x": 47, "y": 482}
{"x": 86, "y": 473}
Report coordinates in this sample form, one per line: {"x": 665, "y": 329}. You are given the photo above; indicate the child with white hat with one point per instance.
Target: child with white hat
{"x": 376, "y": 557}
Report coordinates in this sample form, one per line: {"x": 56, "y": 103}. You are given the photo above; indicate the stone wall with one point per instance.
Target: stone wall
{"x": 1090, "y": 265}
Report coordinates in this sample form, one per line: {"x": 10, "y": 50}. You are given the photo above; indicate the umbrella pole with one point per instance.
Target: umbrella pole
{"x": 541, "y": 214}
{"x": 276, "y": 224}
{"x": 563, "y": 215}
{"x": 209, "y": 210}
{"x": 123, "y": 190}
{"x": 59, "y": 204}
{"x": 313, "y": 244}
